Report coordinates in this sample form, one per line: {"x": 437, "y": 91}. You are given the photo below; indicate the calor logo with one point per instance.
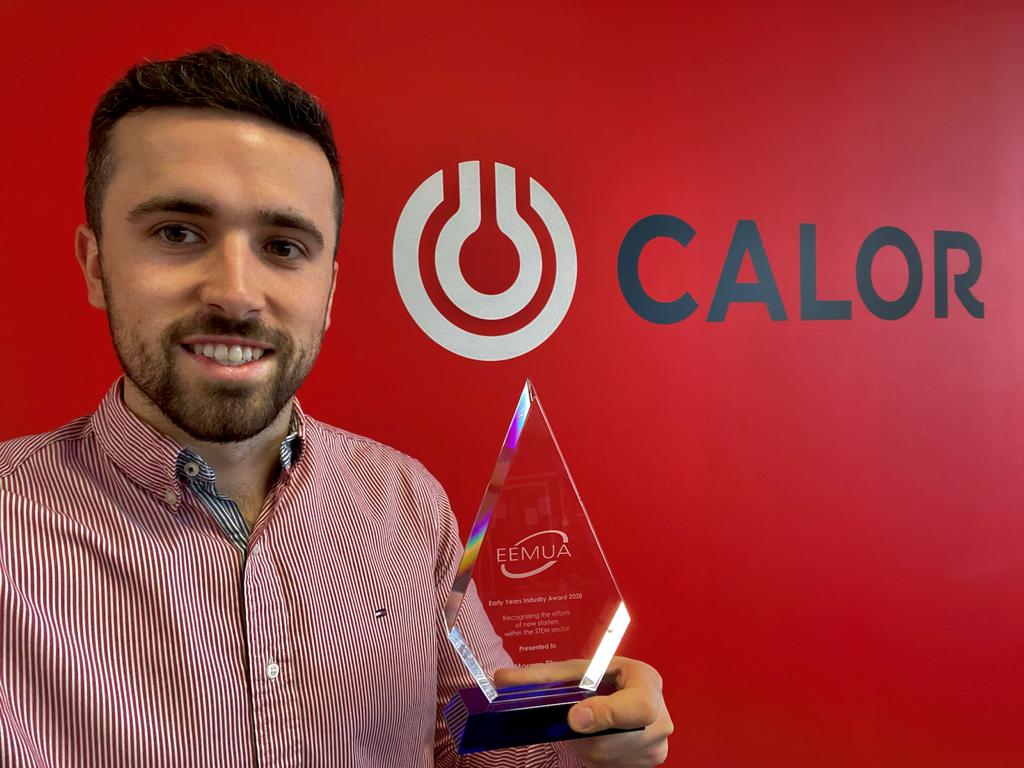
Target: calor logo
{"x": 533, "y": 554}
{"x": 446, "y": 251}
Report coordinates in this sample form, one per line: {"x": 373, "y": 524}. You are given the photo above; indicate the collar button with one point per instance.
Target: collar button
{"x": 171, "y": 497}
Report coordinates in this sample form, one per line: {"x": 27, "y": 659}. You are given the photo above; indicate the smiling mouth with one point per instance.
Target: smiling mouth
{"x": 228, "y": 355}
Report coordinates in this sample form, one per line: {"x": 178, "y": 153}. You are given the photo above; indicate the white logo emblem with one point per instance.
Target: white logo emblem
{"x": 536, "y": 555}
{"x": 466, "y": 220}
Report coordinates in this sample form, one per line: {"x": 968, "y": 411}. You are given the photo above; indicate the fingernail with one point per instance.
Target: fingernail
{"x": 582, "y": 718}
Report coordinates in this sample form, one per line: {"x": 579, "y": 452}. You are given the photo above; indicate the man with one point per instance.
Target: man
{"x": 198, "y": 573}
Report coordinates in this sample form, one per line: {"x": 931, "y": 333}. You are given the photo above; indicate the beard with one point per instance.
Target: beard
{"x": 213, "y": 412}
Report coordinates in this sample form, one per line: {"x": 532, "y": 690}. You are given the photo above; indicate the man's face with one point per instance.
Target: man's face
{"x": 215, "y": 266}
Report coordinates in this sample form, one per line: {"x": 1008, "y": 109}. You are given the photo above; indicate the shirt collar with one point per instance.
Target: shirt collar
{"x": 189, "y": 465}
{"x": 152, "y": 459}
{"x": 291, "y": 446}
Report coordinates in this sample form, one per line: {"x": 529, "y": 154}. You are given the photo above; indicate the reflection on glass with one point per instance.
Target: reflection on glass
{"x": 539, "y": 575}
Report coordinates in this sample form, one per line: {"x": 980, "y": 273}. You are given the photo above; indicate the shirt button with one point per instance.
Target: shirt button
{"x": 273, "y": 669}
{"x": 191, "y": 469}
{"x": 171, "y": 497}
{"x": 255, "y": 550}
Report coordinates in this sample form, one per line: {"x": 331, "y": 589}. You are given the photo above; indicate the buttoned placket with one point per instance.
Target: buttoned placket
{"x": 274, "y": 696}
{"x": 271, "y": 656}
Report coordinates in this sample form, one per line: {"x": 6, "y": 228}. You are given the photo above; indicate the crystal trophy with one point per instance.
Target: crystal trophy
{"x": 533, "y": 566}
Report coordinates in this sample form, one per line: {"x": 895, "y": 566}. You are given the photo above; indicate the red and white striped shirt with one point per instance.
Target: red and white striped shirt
{"x": 134, "y": 631}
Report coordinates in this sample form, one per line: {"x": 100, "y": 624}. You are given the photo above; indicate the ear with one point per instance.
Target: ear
{"x": 330, "y": 299}
{"x": 87, "y": 251}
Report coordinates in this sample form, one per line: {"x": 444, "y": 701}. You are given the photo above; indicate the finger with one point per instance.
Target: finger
{"x": 636, "y": 704}
{"x": 628, "y": 708}
{"x": 638, "y": 749}
{"x": 539, "y": 674}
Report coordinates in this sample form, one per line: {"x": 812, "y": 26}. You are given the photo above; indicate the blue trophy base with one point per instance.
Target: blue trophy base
{"x": 530, "y": 714}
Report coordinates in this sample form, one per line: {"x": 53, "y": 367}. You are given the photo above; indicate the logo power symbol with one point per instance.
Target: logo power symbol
{"x": 466, "y": 220}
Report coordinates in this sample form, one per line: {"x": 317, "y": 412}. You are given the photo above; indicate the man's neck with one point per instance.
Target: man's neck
{"x": 245, "y": 470}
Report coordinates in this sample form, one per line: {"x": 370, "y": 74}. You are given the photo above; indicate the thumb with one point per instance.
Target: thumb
{"x": 626, "y": 709}
{"x": 591, "y": 716}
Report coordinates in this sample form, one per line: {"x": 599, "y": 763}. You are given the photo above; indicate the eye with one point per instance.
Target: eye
{"x": 178, "y": 234}
{"x": 286, "y": 250}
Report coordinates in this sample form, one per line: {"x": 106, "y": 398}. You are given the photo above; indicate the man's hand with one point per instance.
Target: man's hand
{"x": 636, "y": 703}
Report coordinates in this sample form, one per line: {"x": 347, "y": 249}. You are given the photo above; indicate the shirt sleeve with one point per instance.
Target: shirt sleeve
{"x": 452, "y": 674}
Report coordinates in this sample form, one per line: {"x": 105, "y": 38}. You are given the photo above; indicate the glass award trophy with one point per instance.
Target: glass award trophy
{"x": 534, "y": 568}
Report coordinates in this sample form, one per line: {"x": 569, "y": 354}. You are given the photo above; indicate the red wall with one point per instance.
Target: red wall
{"x": 816, "y": 524}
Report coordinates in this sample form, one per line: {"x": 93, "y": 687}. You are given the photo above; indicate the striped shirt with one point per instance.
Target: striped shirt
{"x": 141, "y": 626}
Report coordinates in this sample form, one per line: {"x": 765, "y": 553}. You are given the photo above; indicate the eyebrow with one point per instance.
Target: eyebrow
{"x": 291, "y": 221}
{"x": 180, "y": 204}
{"x": 169, "y": 204}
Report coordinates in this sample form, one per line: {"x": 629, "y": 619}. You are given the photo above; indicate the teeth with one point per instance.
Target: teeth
{"x": 234, "y": 355}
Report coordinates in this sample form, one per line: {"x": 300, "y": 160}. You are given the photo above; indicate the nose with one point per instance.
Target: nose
{"x": 231, "y": 281}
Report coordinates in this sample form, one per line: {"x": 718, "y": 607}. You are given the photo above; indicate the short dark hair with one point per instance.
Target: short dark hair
{"x": 212, "y": 78}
